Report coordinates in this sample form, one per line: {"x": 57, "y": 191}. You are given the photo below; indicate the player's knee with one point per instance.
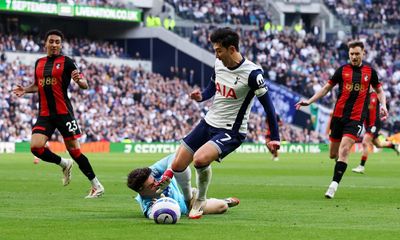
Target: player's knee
{"x": 37, "y": 151}
{"x": 224, "y": 207}
{"x": 177, "y": 167}
{"x": 75, "y": 152}
{"x": 200, "y": 160}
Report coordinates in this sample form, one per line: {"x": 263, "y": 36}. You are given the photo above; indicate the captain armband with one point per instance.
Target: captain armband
{"x": 261, "y": 91}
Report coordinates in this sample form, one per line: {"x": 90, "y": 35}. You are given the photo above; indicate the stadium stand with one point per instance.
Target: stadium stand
{"x": 122, "y": 103}
{"x": 366, "y": 13}
{"x": 71, "y": 47}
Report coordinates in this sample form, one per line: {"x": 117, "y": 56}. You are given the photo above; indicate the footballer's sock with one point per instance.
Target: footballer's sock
{"x": 95, "y": 183}
{"x": 184, "y": 180}
{"x": 83, "y": 163}
{"x": 46, "y": 155}
{"x": 204, "y": 175}
{"x": 340, "y": 168}
{"x": 363, "y": 160}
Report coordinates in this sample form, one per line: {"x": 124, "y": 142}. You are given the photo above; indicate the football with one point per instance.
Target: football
{"x": 166, "y": 211}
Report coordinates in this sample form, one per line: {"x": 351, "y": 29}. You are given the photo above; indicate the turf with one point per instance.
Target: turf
{"x": 279, "y": 200}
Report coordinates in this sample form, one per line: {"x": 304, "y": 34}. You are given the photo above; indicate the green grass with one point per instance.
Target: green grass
{"x": 279, "y": 200}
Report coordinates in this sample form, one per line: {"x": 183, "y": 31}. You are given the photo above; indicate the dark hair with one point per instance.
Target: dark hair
{"x": 137, "y": 177}
{"x": 226, "y": 37}
{"x": 354, "y": 44}
{"x": 54, "y": 32}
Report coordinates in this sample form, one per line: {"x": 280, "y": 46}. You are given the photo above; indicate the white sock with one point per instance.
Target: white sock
{"x": 203, "y": 181}
{"x": 334, "y": 184}
{"x": 63, "y": 163}
{"x": 184, "y": 181}
{"x": 95, "y": 182}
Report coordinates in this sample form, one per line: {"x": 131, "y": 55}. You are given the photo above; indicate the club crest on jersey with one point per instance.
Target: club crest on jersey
{"x": 366, "y": 78}
{"x": 58, "y": 66}
{"x": 237, "y": 80}
{"x": 225, "y": 91}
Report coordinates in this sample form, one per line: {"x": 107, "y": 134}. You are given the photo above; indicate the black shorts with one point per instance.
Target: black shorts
{"x": 66, "y": 124}
{"x": 345, "y": 127}
{"x": 374, "y": 129}
{"x": 226, "y": 141}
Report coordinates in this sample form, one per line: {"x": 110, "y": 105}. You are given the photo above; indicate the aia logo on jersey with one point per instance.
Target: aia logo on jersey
{"x": 225, "y": 91}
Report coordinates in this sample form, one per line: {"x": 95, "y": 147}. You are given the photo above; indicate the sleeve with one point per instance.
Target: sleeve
{"x": 36, "y": 80}
{"x": 272, "y": 122}
{"x": 209, "y": 92}
{"x": 337, "y": 77}
{"x": 160, "y": 166}
{"x": 374, "y": 79}
{"x": 69, "y": 66}
{"x": 257, "y": 84}
{"x": 146, "y": 206}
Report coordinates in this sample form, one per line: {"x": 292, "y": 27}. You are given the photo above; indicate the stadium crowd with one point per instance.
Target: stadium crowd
{"x": 71, "y": 47}
{"x": 94, "y": 3}
{"x": 239, "y": 12}
{"x": 122, "y": 103}
{"x": 367, "y": 13}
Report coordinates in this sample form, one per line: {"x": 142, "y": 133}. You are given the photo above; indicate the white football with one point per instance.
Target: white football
{"x": 166, "y": 211}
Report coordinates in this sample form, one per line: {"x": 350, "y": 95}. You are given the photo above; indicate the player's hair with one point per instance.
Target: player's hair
{"x": 354, "y": 44}
{"x": 226, "y": 37}
{"x": 137, "y": 177}
{"x": 54, "y": 32}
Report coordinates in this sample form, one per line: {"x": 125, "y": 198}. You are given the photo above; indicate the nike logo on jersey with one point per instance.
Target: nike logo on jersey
{"x": 225, "y": 91}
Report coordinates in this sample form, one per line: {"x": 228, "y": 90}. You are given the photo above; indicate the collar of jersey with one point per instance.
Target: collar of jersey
{"x": 235, "y": 67}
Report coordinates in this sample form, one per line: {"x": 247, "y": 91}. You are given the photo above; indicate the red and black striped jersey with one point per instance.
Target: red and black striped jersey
{"x": 354, "y": 83}
{"x": 53, "y": 76}
{"x": 373, "y": 109}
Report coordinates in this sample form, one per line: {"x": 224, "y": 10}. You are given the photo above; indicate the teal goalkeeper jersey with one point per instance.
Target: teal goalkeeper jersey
{"x": 172, "y": 191}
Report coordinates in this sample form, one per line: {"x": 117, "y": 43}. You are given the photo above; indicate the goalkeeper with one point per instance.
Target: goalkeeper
{"x": 144, "y": 181}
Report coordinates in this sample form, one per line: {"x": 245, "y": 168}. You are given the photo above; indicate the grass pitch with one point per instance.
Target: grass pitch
{"x": 279, "y": 200}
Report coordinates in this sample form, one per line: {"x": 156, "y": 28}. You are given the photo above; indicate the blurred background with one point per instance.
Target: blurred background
{"x": 143, "y": 57}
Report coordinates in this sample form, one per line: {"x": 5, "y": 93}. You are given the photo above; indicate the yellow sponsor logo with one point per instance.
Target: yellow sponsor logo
{"x": 354, "y": 87}
{"x": 47, "y": 81}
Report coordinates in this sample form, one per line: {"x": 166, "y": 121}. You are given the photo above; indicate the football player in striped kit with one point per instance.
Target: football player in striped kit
{"x": 53, "y": 74}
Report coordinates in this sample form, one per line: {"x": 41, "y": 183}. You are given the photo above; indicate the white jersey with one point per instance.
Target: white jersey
{"x": 234, "y": 95}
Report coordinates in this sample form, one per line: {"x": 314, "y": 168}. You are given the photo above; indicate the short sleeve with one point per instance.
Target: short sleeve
{"x": 374, "y": 79}
{"x": 337, "y": 77}
{"x": 69, "y": 66}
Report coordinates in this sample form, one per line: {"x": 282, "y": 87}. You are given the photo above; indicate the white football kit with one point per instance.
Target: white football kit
{"x": 234, "y": 96}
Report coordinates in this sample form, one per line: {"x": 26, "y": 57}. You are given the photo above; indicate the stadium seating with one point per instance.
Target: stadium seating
{"x": 122, "y": 103}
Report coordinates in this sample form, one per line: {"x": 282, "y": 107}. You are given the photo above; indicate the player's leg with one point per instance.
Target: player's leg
{"x": 218, "y": 206}
{"x": 386, "y": 144}
{"x": 184, "y": 156}
{"x": 341, "y": 164}
{"x": 366, "y": 145}
{"x": 73, "y": 148}
{"x": 41, "y": 132}
{"x": 202, "y": 160}
{"x": 182, "y": 173}
{"x": 334, "y": 149}
{"x": 222, "y": 143}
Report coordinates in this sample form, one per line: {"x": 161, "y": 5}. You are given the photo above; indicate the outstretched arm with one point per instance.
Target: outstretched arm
{"x": 269, "y": 109}
{"x": 79, "y": 79}
{"x": 321, "y": 93}
{"x": 382, "y": 100}
{"x": 20, "y": 91}
{"x": 208, "y": 93}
